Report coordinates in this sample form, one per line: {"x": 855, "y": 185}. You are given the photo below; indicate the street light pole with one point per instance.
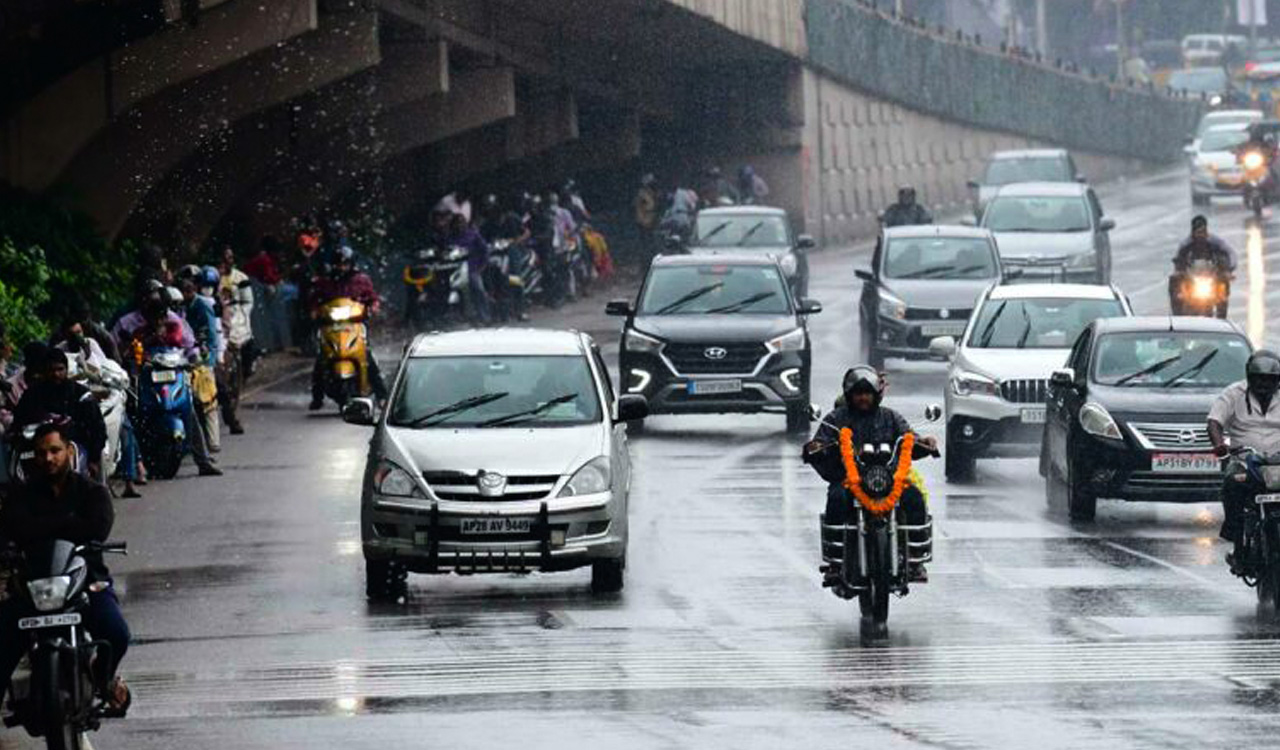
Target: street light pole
{"x": 1120, "y": 43}
{"x": 1042, "y": 28}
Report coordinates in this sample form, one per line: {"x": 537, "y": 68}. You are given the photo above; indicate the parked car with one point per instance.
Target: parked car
{"x": 1023, "y": 165}
{"x": 1215, "y": 169}
{"x": 755, "y": 229}
{"x": 500, "y": 450}
{"x": 1127, "y": 414}
{"x": 999, "y": 372}
{"x": 1051, "y": 230}
{"x": 922, "y": 284}
{"x": 1208, "y": 49}
{"x": 717, "y": 334}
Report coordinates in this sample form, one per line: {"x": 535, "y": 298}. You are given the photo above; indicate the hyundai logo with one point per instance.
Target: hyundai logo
{"x": 491, "y": 484}
{"x": 715, "y": 352}
{"x": 1186, "y": 436}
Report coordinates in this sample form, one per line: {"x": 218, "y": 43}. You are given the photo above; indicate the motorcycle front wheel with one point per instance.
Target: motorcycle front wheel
{"x": 1268, "y": 587}
{"x": 874, "y": 598}
{"x": 48, "y": 672}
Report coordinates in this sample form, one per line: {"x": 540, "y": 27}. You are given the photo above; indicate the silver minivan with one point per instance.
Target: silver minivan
{"x": 498, "y": 450}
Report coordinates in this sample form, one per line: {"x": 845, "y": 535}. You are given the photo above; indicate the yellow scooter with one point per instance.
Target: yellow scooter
{"x": 344, "y": 347}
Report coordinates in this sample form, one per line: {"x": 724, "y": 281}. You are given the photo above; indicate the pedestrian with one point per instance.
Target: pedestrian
{"x": 645, "y": 210}
{"x": 752, "y": 189}
{"x": 272, "y": 294}
{"x": 203, "y": 319}
{"x": 236, "y": 295}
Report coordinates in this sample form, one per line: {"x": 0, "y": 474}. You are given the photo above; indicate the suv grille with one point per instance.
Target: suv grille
{"x": 1171, "y": 436}
{"x": 920, "y": 313}
{"x": 739, "y": 359}
{"x": 1025, "y": 391}
{"x": 457, "y": 486}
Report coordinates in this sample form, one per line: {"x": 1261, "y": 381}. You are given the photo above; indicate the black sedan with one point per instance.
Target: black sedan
{"x": 1126, "y": 418}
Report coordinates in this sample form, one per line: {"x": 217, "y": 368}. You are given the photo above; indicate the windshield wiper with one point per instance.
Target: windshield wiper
{"x": 927, "y": 272}
{"x": 989, "y": 329}
{"x": 742, "y": 241}
{"x": 1152, "y": 370}
{"x": 686, "y": 299}
{"x": 736, "y": 306}
{"x": 528, "y": 414}
{"x": 1192, "y": 370}
{"x": 1026, "y": 332}
{"x": 441, "y": 414}
{"x": 719, "y": 228}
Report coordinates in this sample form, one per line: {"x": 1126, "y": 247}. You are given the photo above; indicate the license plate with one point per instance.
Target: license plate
{"x": 1033, "y": 415}
{"x": 163, "y": 376}
{"x": 1185, "y": 463}
{"x": 714, "y": 387}
{"x": 496, "y": 525}
{"x": 1266, "y": 499}
{"x": 942, "y": 329}
{"x": 48, "y": 621}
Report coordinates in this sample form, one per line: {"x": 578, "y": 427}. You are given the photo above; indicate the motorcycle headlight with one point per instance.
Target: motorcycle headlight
{"x": 592, "y": 478}
{"x": 49, "y": 594}
{"x": 1253, "y": 160}
{"x": 393, "y": 481}
{"x": 965, "y": 383}
{"x": 1096, "y": 420}
{"x": 892, "y": 307}
{"x": 1203, "y": 287}
{"x": 788, "y": 263}
{"x": 339, "y": 314}
{"x": 792, "y": 341}
{"x": 638, "y": 342}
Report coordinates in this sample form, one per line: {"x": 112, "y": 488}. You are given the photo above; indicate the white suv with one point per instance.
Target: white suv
{"x": 998, "y": 379}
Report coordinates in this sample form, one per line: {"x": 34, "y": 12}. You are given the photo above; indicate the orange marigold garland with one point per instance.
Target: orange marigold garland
{"x": 853, "y": 482}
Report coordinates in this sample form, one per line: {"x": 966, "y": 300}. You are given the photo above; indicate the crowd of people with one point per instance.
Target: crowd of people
{"x": 663, "y": 214}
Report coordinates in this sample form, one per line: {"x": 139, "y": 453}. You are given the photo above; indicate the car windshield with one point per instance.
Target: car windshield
{"x": 1222, "y": 140}
{"x": 495, "y": 391}
{"x": 1170, "y": 360}
{"x": 1206, "y": 80}
{"x": 1028, "y": 169}
{"x": 746, "y": 230}
{"x": 939, "y": 258}
{"x": 715, "y": 289}
{"x": 1032, "y": 214}
{"x": 1226, "y": 118}
{"x": 1047, "y": 323}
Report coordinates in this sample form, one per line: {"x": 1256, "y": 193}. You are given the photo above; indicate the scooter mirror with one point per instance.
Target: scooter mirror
{"x": 932, "y": 413}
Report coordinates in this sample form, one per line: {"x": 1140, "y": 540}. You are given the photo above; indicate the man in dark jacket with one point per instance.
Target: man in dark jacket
{"x": 343, "y": 280}
{"x": 906, "y": 211}
{"x": 54, "y": 395}
{"x": 59, "y": 504}
{"x": 1201, "y": 246}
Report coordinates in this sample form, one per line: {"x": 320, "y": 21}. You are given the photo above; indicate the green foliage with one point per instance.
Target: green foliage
{"x": 24, "y": 290}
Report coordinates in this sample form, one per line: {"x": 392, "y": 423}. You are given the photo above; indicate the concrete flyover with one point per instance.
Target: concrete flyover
{"x": 262, "y": 111}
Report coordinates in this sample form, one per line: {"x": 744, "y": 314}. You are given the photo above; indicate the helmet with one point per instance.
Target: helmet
{"x": 208, "y": 277}
{"x": 190, "y": 271}
{"x": 173, "y": 297}
{"x": 862, "y": 379}
{"x": 648, "y": 179}
{"x": 1263, "y": 373}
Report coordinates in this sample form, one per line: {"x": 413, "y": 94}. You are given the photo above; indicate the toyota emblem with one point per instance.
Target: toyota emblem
{"x": 715, "y": 352}
{"x": 1186, "y": 437}
{"x": 491, "y": 484}
{"x": 944, "y": 313}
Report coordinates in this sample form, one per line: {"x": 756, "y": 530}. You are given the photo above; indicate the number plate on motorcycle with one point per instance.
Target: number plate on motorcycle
{"x": 1185, "y": 463}
{"x": 714, "y": 387}
{"x": 48, "y": 621}
{"x": 496, "y": 525}
{"x": 163, "y": 376}
{"x": 1273, "y": 497}
{"x": 1033, "y": 415}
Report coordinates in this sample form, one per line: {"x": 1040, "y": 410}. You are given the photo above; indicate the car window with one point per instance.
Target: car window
{"x": 1170, "y": 359}
{"x": 1037, "y": 323}
{"x": 604, "y": 374}
{"x": 939, "y": 258}
{"x": 1028, "y": 169}
{"x": 1222, "y": 140}
{"x": 715, "y": 289}
{"x": 1203, "y": 80}
{"x": 544, "y": 390}
{"x": 1232, "y": 118}
{"x": 1036, "y": 214}
{"x": 748, "y": 230}
{"x": 1094, "y": 204}
{"x": 1079, "y": 358}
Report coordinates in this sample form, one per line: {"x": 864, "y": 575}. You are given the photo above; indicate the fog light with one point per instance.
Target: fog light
{"x": 641, "y": 381}
{"x": 790, "y": 379}
{"x": 967, "y": 431}
{"x": 886, "y": 335}
{"x": 557, "y": 537}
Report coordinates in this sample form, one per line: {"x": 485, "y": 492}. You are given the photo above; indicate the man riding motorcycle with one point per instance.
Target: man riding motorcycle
{"x": 1246, "y": 415}
{"x": 343, "y": 280}
{"x": 862, "y": 412}
{"x": 54, "y": 395}
{"x": 1201, "y": 246}
{"x": 906, "y": 211}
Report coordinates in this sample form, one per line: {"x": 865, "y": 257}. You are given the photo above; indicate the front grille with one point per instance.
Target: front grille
{"x": 1171, "y": 436}
{"x": 457, "y": 486}
{"x": 919, "y": 313}
{"x": 1024, "y": 391}
{"x": 738, "y": 359}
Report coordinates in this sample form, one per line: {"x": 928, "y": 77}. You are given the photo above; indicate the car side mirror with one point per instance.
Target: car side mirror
{"x": 806, "y": 242}
{"x": 932, "y": 413}
{"x": 1063, "y": 379}
{"x": 1107, "y": 224}
{"x": 359, "y": 411}
{"x": 632, "y": 408}
{"x": 943, "y": 347}
{"x": 810, "y": 307}
{"x": 864, "y": 274}
{"x": 620, "y": 308}
{"x": 973, "y": 184}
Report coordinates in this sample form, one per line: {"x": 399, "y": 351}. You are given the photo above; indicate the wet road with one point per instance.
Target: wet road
{"x": 246, "y": 593}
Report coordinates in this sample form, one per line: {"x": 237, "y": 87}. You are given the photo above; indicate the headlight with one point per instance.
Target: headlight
{"x": 1203, "y": 287}
{"x": 48, "y": 594}
{"x": 635, "y": 341}
{"x": 1254, "y": 160}
{"x": 590, "y": 479}
{"x": 787, "y": 342}
{"x": 339, "y": 314}
{"x": 457, "y": 254}
{"x": 1096, "y": 421}
{"x": 393, "y": 481}
{"x": 965, "y": 383}
{"x": 892, "y": 307}
{"x": 1083, "y": 260}
{"x": 789, "y": 264}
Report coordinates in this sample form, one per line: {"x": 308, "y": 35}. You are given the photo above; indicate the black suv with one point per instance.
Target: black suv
{"x": 717, "y": 334}
{"x": 1127, "y": 417}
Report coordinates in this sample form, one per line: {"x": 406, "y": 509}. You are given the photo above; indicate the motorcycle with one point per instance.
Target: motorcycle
{"x": 870, "y": 555}
{"x": 59, "y": 698}
{"x": 344, "y": 347}
{"x": 1202, "y": 290}
{"x": 1259, "y": 552}
{"x": 1259, "y": 185}
{"x": 164, "y": 396}
{"x": 432, "y": 284}
{"x": 109, "y": 384}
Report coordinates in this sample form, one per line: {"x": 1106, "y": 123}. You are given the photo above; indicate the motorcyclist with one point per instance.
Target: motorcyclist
{"x": 1245, "y": 415}
{"x": 343, "y": 280}
{"x": 906, "y": 211}
{"x": 201, "y": 311}
{"x": 862, "y": 412}
{"x": 1201, "y": 246}
{"x": 59, "y": 504}
{"x": 54, "y": 395}
{"x": 497, "y": 225}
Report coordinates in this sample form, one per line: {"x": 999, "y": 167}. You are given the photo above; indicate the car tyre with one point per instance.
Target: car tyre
{"x": 873, "y": 356}
{"x": 385, "y": 581}
{"x": 1081, "y": 504}
{"x": 960, "y": 464}
{"x": 608, "y": 576}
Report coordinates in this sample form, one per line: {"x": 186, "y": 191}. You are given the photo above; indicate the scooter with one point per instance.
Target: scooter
{"x": 109, "y": 384}
{"x": 1258, "y": 563}
{"x": 59, "y": 698}
{"x": 503, "y": 282}
{"x": 164, "y": 396}
{"x": 1202, "y": 290}
{"x": 344, "y": 347}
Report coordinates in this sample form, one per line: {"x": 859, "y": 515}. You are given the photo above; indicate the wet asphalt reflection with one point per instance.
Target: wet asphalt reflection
{"x": 246, "y": 593}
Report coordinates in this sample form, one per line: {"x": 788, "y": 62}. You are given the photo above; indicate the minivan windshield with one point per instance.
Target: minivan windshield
{"x": 1028, "y": 169}
{"x": 1223, "y": 139}
{"x": 1048, "y": 323}
{"x": 746, "y": 230}
{"x": 1017, "y": 213}
{"x": 939, "y": 258}
{"x": 715, "y": 289}
{"x": 495, "y": 391}
{"x": 1167, "y": 359}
